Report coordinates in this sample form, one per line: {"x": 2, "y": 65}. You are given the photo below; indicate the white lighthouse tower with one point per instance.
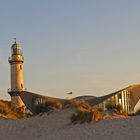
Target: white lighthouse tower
{"x": 16, "y": 63}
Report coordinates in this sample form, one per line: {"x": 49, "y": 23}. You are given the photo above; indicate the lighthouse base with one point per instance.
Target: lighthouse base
{"x": 17, "y": 101}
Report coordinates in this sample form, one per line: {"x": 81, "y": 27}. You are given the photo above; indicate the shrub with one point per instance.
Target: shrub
{"x": 8, "y": 110}
{"x": 21, "y": 113}
{"x": 113, "y": 106}
{"x": 77, "y": 103}
{"x": 54, "y": 103}
{"x": 41, "y": 108}
{"x": 4, "y": 108}
{"x": 46, "y": 105}
{"x": 96, "y": 115}
{"x": 83, "y": 115}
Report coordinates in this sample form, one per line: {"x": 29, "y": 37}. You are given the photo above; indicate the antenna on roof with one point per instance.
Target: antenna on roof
{"x": 15, "y": 39}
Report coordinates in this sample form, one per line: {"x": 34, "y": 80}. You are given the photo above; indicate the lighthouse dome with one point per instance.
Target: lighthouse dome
{"x": 15, "y": 46}
{"x": 16, "y": 49}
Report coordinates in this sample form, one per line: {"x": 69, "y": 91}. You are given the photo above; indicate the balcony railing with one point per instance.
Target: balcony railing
{"x": 16, "y": 90}
{"x": 10, "y": 59}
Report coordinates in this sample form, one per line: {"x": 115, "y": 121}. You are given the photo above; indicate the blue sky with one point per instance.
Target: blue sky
{"x": 85, "y": 46}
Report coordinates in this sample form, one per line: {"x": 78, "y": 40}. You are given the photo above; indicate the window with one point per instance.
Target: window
{"x": 119, "y": 96}
{"x": 21, "y": 85}
{"x": 20, "y": 67}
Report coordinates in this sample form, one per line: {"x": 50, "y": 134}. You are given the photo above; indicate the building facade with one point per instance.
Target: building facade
{"x": 127, "y": 100}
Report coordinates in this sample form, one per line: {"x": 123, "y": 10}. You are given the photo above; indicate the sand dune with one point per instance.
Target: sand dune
{"x": 56, "y": 126}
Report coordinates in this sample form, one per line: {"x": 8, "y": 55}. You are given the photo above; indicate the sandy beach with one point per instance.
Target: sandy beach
{"x": 57, "y": 126}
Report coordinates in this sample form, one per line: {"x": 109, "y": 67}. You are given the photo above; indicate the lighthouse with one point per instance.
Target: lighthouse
{"x": 16, "y": 61}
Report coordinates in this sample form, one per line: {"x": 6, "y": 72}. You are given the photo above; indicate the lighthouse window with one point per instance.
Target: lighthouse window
{"x": 21, "y": 85}
{"x": 20, "y": 67}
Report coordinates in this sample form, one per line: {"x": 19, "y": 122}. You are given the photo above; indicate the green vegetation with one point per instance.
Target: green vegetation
{"x": 84, "y": 112}
{"x": 77, "y": 103}
{"x": 82, "y": 115}
{"x": 45, "y": 105}
{"x": 111, "y": 104}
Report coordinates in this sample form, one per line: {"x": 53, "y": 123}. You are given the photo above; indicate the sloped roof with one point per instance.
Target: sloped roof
{"x": 134, "y": 89}
{"x": 28, "y": 97}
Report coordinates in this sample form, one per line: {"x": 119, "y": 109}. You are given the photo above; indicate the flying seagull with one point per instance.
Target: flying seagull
{"x": 69, "y": 93}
